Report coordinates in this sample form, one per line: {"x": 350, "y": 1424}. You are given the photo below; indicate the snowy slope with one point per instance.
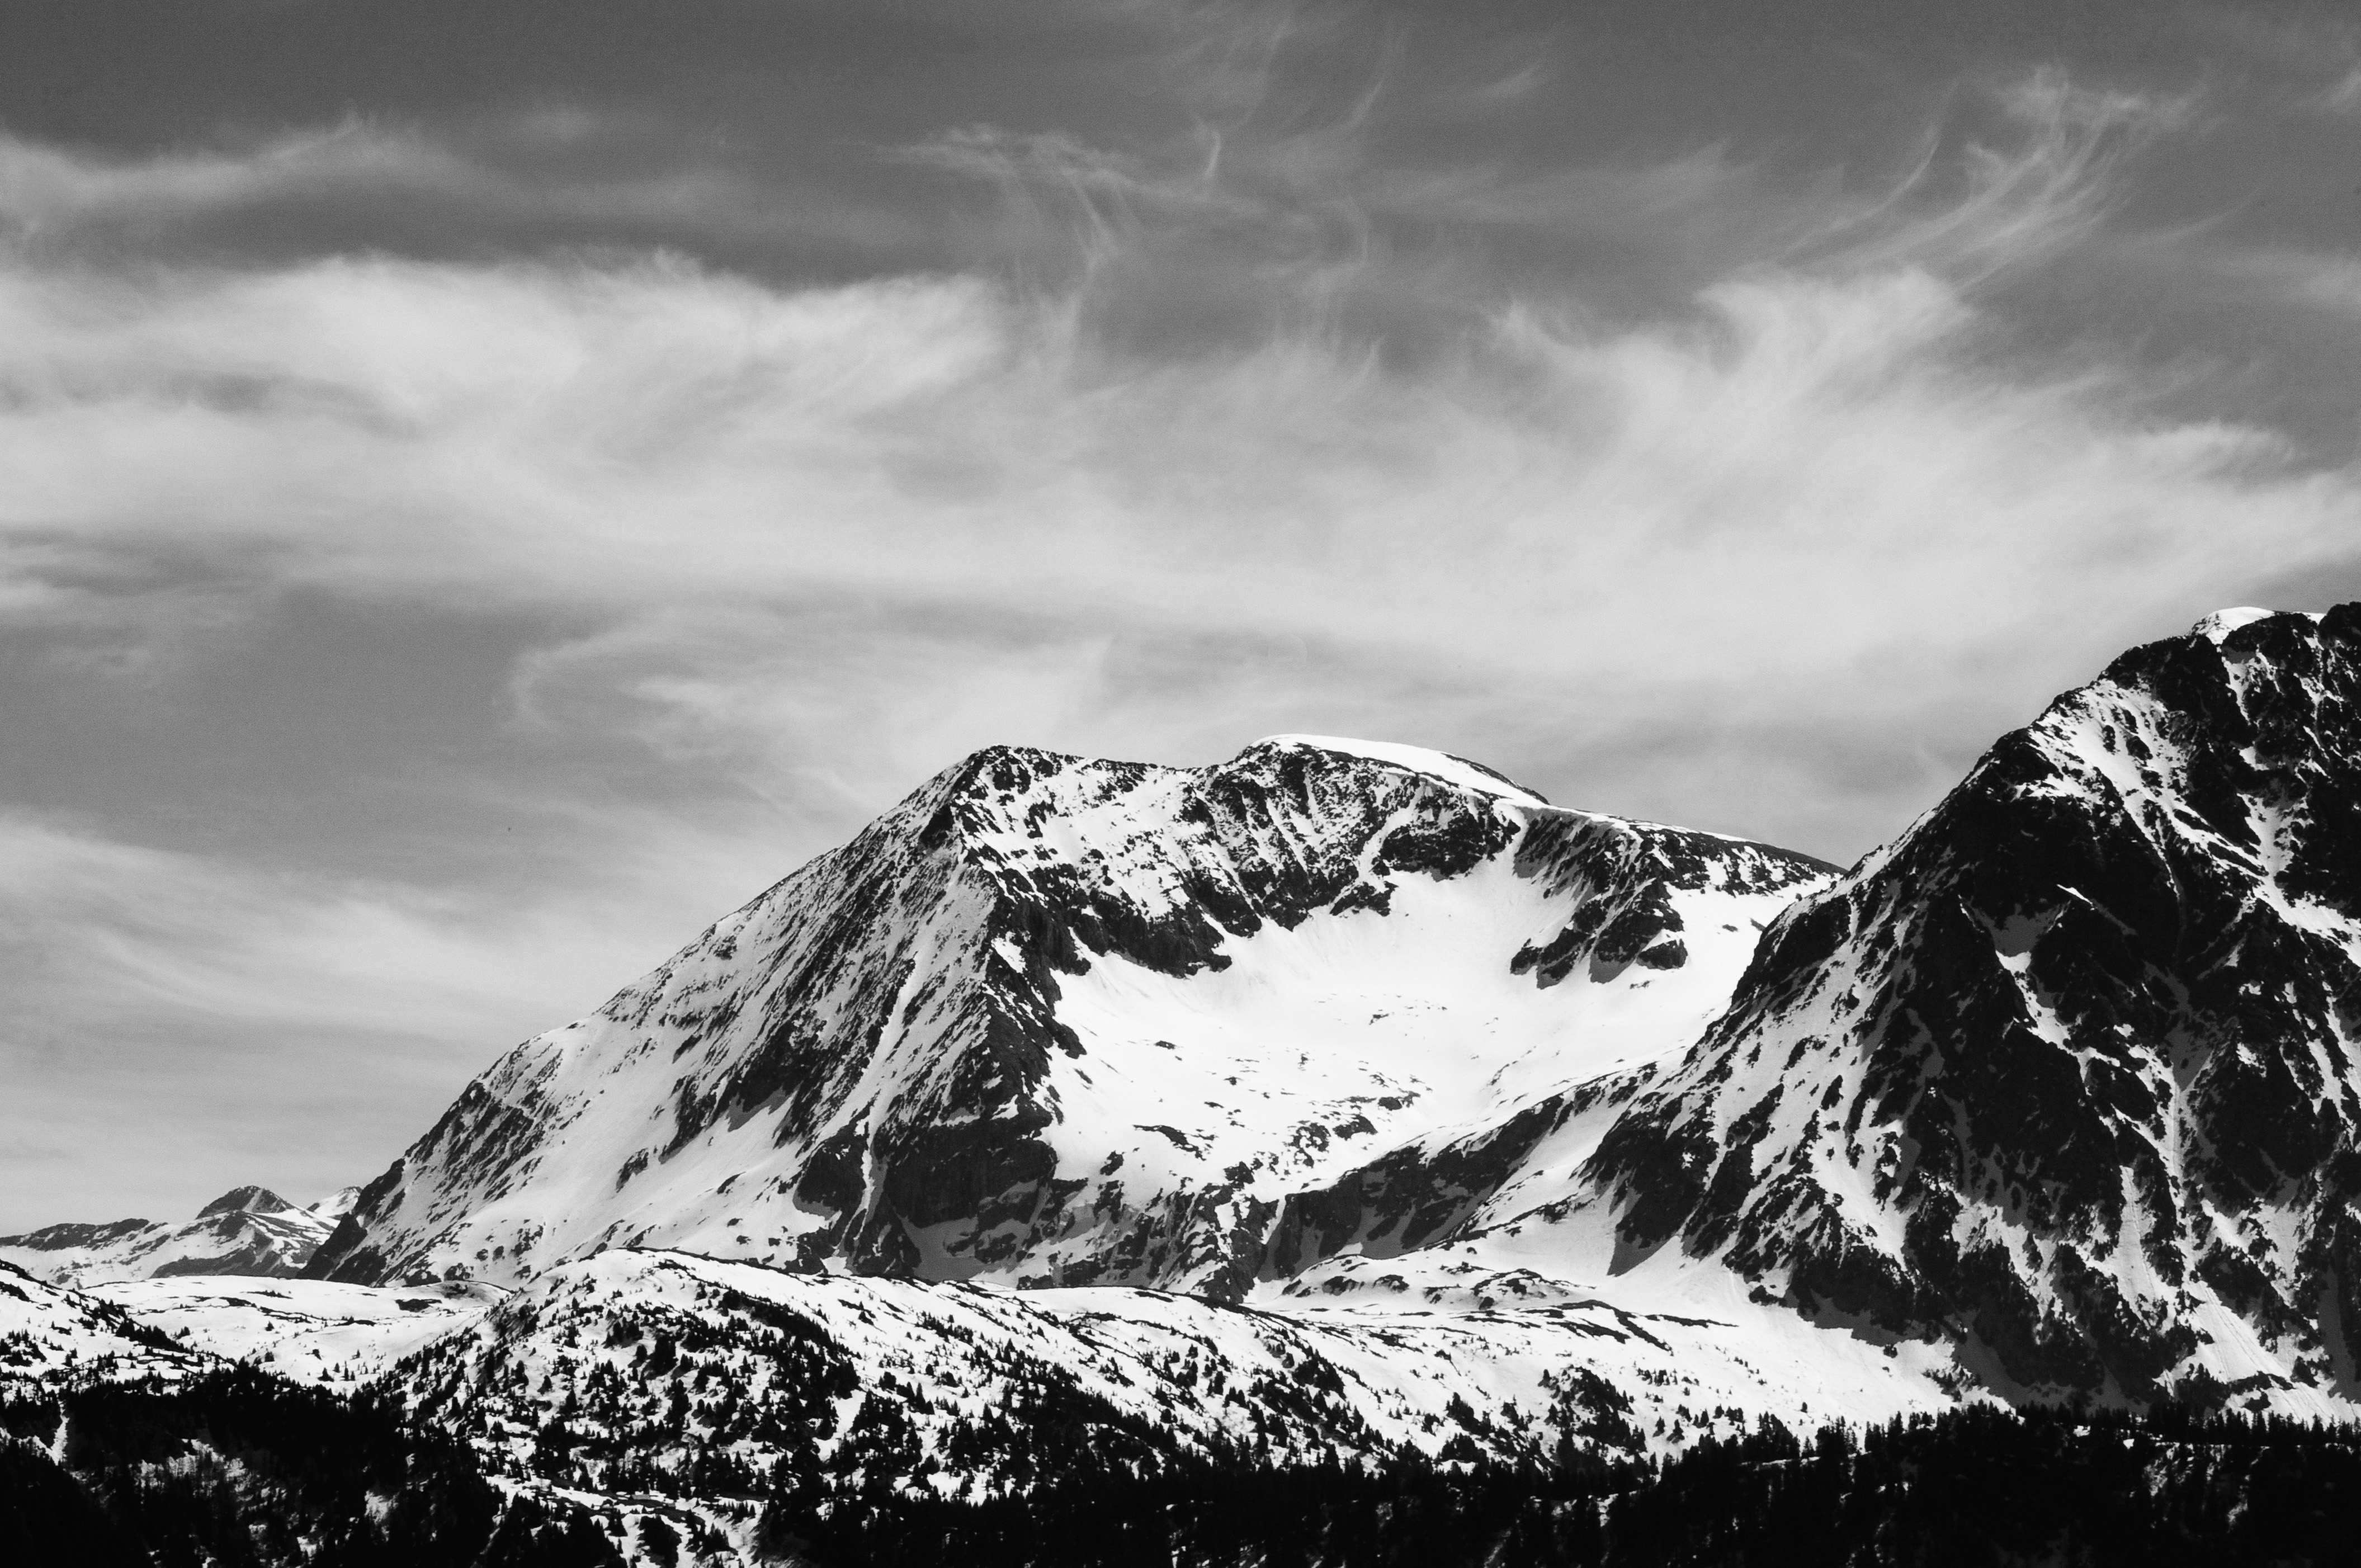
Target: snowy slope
{"x": 1055, "y": 1021}
{"x": 2066, "y": 1075}
{"x": 311, "y": 1330}
{"x": 249, "y": 1230}
{"x": 50, "y": 1335}
{"x": 709, "y": 1374}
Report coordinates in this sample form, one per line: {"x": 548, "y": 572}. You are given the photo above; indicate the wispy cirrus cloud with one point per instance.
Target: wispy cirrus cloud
{"x": 660, "y": 446}
{"x": 2313, "y": 62}
{"x": 2025, "y": 169}
{"x": 2325, "y": 282}
{"x": 515, "y": 176}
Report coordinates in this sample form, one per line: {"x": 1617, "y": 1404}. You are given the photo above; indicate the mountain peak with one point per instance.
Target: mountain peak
{"x": 246, "y": 1200}
{"x": 245, "y": 1230}
{"x": 1056, "y": 1019}
{"x": 336, "y": 1204}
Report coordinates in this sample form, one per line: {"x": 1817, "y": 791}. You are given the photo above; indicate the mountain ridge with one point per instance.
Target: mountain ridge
{"x": 248, "y": 1230}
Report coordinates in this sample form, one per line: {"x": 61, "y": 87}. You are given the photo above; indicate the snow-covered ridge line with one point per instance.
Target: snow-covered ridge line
{"x": 1443, "y": 765}
{"x": 2219, "y": 625}
{"x": 956, "y": 1386}
{"x": 1465, "y": 774}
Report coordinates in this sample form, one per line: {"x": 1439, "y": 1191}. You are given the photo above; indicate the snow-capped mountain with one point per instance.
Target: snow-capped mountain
{"x": 1346, "y": 1103}
{"x": 2067, "y": 1074}
{"x": 1057, "y": 1020}
{"x": 247, "y": 1231}
{"x": 2059, "y": 1081}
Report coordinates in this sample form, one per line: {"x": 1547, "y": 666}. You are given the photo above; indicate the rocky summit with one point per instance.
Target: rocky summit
{"x": 1347, "y": 1112}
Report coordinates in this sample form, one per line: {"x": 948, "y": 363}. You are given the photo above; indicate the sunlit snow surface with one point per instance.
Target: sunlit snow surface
{"x": 311, "y": 1330}
{"x": 1320, "y": 1021}
{"x": 2221, "y": 622}
{"x": 49, "y": 1334}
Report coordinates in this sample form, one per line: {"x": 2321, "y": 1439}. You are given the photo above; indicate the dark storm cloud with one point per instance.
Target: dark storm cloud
{"x": 492, "y": 486}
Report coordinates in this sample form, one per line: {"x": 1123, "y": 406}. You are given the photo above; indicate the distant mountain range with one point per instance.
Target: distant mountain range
{"x": 1345, "y": 1101}
{"x": 249, "y": 1230}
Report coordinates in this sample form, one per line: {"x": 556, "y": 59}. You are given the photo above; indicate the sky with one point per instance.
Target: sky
{"x": 486, "y": 488}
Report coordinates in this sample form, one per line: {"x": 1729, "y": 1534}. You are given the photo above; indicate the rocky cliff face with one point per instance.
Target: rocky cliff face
{"x": 2067, "y": 1074}
{"x": 1062, "y": 1021}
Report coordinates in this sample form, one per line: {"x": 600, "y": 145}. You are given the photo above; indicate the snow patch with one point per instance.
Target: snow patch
{"x": 2221, "y": 622}
{"x": 1417, "y": 760}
